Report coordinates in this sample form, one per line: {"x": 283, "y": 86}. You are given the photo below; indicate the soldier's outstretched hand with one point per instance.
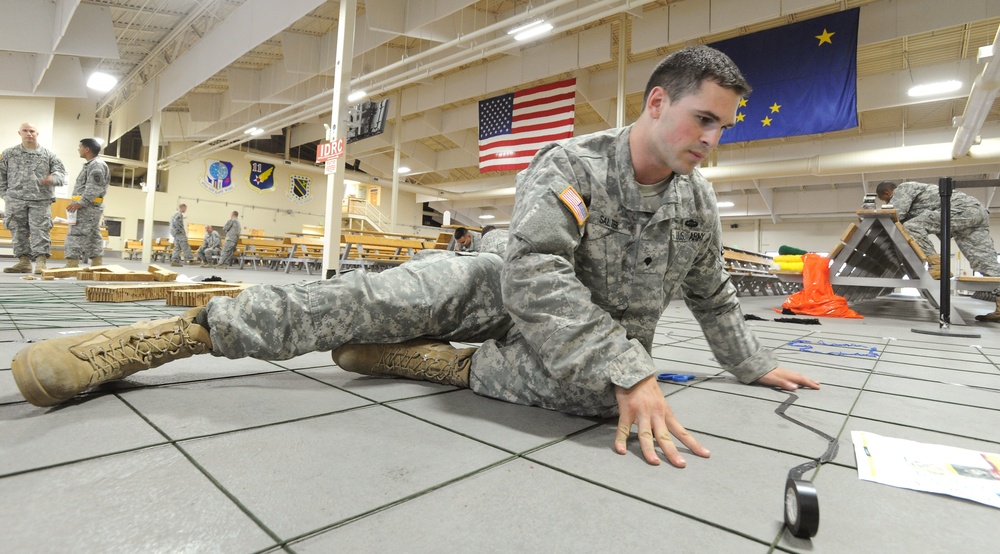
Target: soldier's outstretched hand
{"x": 786, "y": 380}
{"x": 645, "y": 406}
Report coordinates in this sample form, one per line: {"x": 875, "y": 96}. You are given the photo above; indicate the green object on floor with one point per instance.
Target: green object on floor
{"x": 785, "y": 250}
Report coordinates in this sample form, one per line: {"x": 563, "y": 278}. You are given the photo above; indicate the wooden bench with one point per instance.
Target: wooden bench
{"x": 305, "y": 250}
{"x": 262, "y": 250}
{"x": 374, "y": 252}
{"x": 751, "y": 272}
{"x": 133, "y": 249}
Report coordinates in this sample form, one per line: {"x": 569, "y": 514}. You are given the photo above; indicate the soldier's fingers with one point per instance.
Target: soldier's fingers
{"x": 621, "y": 435}
{"x": 686, "y": 438}
{"x": 647, "y": 445}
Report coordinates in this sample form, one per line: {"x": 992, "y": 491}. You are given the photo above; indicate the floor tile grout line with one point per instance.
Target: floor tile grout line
{"x": 389, "y": 404}
{"x": 84, "y": 459}
{"x": 918, "y": 428}
{"x": 211, "y": 478}
{"x": 644, "y": 500}
{"x": 356, "y": 517}
{"x": 185, "y": 439}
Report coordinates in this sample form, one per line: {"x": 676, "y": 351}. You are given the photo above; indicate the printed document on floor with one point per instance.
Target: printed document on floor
{"x": 928, "y": 467}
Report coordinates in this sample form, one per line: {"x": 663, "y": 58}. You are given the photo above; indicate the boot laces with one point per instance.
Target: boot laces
{"x": 431, "y": 366}
{"x": 129, "y": 354}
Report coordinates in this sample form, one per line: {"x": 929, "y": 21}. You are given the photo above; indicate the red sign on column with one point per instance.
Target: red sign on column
{"x": 329, "y": 150}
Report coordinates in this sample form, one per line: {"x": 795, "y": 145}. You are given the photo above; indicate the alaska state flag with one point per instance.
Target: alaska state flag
{"x": 804, "y": 78}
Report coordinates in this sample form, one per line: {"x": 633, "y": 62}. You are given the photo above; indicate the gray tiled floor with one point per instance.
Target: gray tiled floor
{"x": 209, "y": 454}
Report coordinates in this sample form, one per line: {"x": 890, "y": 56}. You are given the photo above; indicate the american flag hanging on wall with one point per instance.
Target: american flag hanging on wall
{"x": 513, "y": 126}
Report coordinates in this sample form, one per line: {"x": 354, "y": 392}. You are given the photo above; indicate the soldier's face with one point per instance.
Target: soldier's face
{"x": 686, "y": 130}
{"x": 465, "y": 241}
{"x": 29, "y": 136}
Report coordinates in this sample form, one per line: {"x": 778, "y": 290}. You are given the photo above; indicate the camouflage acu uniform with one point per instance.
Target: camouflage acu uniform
{"x": 232, "y": 230}
{"x": 84, "y": 238}
{"x": 179, "y": 232}
{"x": 438, "y": 294}
{"x": 586, "y": 296}
{"x": 918, "y": 206}
{"x": 210, "y": 246}
{"x": 580, "y": 301}
{"x": 28, "y": 214}
{"x": 495, "y": 242}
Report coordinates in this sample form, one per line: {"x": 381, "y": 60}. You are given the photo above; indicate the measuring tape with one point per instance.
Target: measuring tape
{"x": 801, "y": 500}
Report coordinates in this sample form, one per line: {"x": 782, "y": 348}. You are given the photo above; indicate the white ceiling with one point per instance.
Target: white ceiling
{"x": 223, "y": 66}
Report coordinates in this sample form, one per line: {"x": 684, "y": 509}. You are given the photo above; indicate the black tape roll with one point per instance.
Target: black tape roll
{"x": 801, "y": 508}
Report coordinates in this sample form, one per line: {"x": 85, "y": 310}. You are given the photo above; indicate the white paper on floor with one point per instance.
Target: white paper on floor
{"x": 928, "y": 467}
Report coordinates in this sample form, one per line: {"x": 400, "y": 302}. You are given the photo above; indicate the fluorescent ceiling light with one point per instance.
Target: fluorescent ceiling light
{"x": 534, "y": 31}
{"x": 250, "y": 131}
{"x": 101, "y": 82}
{"x": 523, "y": 26}
{"x": 403, "y": 170}
{"x": 257, "y": 132}
{"x": 487, "y": 216}
{"x": 356, "y": 95}
{"x": 724, "y": 204}
{"x": 931, "y": 89}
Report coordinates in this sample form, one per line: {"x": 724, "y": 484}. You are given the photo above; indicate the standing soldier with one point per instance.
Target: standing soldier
{"x": 232, "y": 230}
{"x": 179, "y": 231}
{"x": 209, "y": 247}
{"x": 84, "y": 239}
{"x": 27, "y": 174}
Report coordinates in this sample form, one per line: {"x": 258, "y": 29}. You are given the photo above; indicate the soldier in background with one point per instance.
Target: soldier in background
{"x": 84, "y": 239}
{"x": 28, "y": 173}
{"x": 465, "y": 240}
{"x": 918, "y": 207}
{"x": 232, "y": 230}
{"x": 179, "y": 231}
{"x": 209, "y": 247}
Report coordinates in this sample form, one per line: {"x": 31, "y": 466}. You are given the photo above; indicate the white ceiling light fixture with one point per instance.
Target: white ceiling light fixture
{"x": 486, "y": 216}
{"x": 533, "y": 31}
{"x": 356, "y": 95}
{"x": 487, "y": 212}
{"x": 930, "y": 89}
{"x": 257, "y": 132}
{"x": 101, "y": 82}
{"x": 524, "y": 26}
{"x": 250, "y": 131}
{"x": 724, "y": 204}
{"x": 403, "y": 170}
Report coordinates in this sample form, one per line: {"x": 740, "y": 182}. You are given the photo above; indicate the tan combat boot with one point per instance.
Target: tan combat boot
{"x": 96, "y": 261}
{"x": 71, "y": 263}
{"x": 55, "y": 370}
{"x": 22, "y": 266}
{"x": 422, "y": 359}
{"x": 40, "y": 265}
{"x": 992, "y": 316}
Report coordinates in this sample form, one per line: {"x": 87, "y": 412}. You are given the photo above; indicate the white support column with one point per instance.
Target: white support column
{"x": 335, "y": 183}
{"x": 154, "y": 158}
{"x": 622, "y": 66}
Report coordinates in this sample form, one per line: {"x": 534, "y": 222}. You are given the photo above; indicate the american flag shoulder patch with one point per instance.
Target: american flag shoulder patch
{"x": 574, "y": 202}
